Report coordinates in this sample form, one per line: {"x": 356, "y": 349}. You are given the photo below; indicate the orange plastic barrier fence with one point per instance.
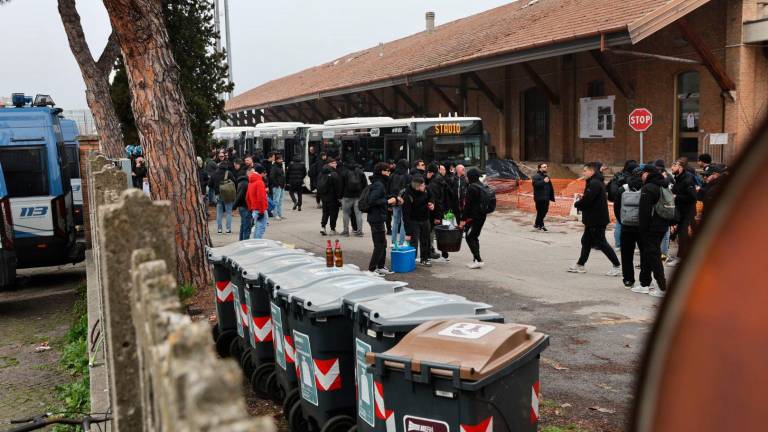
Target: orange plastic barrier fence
{"x": 518, "y": 194}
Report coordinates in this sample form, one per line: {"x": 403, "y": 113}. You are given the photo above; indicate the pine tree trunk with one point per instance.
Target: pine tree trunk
{"x": 164, "y": 129}
{"x": 95, "y": 75}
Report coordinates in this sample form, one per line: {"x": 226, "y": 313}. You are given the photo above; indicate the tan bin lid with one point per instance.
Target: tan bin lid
{"x": 478, "y": 348}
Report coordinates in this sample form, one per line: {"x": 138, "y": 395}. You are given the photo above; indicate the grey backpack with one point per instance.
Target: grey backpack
{"x": 630, "y": 207}
{"x": 665, "y": 206}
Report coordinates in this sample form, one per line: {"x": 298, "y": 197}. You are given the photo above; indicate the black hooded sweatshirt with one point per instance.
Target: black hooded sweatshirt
{"x": 399, "y": 180}
{"x": 594, "y": 202}
{"x": 649, "y": 196}
{"x": 415, "y": 208}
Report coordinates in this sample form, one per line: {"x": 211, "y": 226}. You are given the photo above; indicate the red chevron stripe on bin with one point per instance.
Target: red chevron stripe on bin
{"x": 485, "y": 426}
{"x": 224, "y": 292}
{"x": 262, "y": 329}
{"x": 327, "y": 374}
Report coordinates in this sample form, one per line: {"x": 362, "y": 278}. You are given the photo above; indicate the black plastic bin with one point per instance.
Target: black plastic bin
{"x": 461, "y": 376}
{"x": 381, "y": 323}
{"x": 448, "y": 239}
{"x": 322, "y": 336}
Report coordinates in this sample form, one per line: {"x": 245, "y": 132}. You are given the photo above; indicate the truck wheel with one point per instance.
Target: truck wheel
{"x": 340, "y": 423}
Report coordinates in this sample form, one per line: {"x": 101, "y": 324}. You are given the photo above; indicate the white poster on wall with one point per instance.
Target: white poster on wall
{"x": 596, "y": 117}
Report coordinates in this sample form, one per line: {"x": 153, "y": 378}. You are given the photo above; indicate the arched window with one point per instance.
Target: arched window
{"x": 688, "y": 115}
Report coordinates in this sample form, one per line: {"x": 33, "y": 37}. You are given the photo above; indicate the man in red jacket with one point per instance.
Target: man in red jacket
{"x": 256, "y": 200}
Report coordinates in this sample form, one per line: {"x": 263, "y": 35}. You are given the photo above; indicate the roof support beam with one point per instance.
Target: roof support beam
{"x": 554, "y": 99}
{"x": 651, "y": 56}
{"x": 624, "y": 87}
{"x": 407, "y": 99}
{"x": 381, "y": 105}
{"x": 448, "y": 101}
{"x": 285, "y": 112}
{"x": 304, "y": 117}
{"x": 484, "y": 89}
{"x": 333, "y": 107}
{"x": 275, "y": 114}
{"x": 313, "y": 107}
{"x": 354, "y": 107}
{"x": 463, "y": 94}
{"x": 710, "y": 61}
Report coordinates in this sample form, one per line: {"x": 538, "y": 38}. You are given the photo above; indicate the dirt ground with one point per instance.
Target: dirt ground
{"x": 34, "y": 313}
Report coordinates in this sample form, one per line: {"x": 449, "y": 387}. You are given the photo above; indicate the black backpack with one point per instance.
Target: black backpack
{"x": 364, "y": 204}
{"x": 615, "y": 184}
{"x": 487, "y": 198}
{"x": 324, "y": 183}
{"x": 353, "y": 180}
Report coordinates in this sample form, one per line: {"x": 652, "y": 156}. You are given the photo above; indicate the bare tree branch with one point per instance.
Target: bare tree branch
{"x": 107, "y": 59}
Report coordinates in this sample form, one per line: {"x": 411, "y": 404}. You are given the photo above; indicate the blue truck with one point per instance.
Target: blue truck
{"x": 70, "y": 131}
{"x": 7, "y": 249}
{"x": 34, "y": 160}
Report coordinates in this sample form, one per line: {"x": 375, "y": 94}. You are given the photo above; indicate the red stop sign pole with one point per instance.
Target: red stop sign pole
{"x": 640, "y": 119}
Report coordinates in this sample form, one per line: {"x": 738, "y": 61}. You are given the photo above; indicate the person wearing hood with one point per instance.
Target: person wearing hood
{"x": 314, "y": 173}
{"x": 256, "y": 200}
{"x": 614, "y": 186}
{"x": 329, "y": 189}
{"x": 353, "y": 182}
{"x": 295, "y": 178}
{"x": 223, "y": 209}
{"x": 472, "y": 217}
{"x": 652, "y": 230}
{"x": 543, "y": 194}
{"x": 593, "y": 205}
{"x": 438, "y": 187}
{"x": 630, "y": 228}
{"x": 246, "y": 219}
{"x": 398, "y": 182}
{"x": 684, "y": 189}
{"x": 378, "y": 201}
{"x": 417, "y": 205}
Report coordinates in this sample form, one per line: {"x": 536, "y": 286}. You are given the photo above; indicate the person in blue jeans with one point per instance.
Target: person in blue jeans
{"x": 277, "y": 185}
{"x": 398, "y": 181}
{"x": 246, "y": 219}
{"x": 223, "y": 210}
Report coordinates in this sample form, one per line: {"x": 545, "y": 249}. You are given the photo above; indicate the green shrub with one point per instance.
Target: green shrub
{"x": 186, "y": 291}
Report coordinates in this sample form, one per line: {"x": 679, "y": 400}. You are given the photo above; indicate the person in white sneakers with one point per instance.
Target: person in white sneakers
{"x": 653, "y": 227}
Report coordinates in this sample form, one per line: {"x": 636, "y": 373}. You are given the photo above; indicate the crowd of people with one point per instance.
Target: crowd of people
{"x": 652, "y": 205}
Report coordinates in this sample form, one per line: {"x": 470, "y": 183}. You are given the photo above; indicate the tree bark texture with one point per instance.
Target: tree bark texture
{"x": 95, "y": 74}
{"x": 164, "y": 128}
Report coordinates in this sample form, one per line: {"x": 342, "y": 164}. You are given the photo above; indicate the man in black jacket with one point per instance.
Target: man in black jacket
{"x": 378, "y": 201}
{"x": 417, "y": 204}
{"x": 314, "y": 172}
{"x": 277, "y": 185}
{"x": 543, "y": 193}
{"x": 329, "y": 189}
{"x": 246, "y": 218}
{"x": 593, "y": 205}
{"x": 438, "y": 187}
{"x": 399, "y": 180}
{"x": 295, "y": 179}
{"x": 472, "y": 217}
{"x": 630, "y": 231}
{"x": 684, "y": 189}
{"x": 653, "y": 228}
{"x": 353, "y": 182}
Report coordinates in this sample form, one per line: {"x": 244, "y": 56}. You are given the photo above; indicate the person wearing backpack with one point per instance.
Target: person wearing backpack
{"x": 399, "y": 179}
{"x": 655, "y": 219}
{"x": 222, "y": 183}
{"x": 626, "y": 208}
{"x": 477, "y": 207}
{"x": 543, "y": 194}
{"x": 377, "y": 199}
{"x": 246, "y": 219}
{"x": 329, "y": 188}
{"x": 614, "y": 186}
{"x": 295, "y": 179}
{"x": 353, "y": 183}
{"x": 593, "y": 205}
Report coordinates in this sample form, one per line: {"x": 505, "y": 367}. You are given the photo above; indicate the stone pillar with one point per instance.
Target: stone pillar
{"x": 134, "y": 222}
{"x": 93, "y": 164}
{"x": 88, "y": 146}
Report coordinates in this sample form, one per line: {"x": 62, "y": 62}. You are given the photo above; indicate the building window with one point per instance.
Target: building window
{"x": 688, "y": 114}
{"x": 596, "y": 117}
{"x": 596, "y": 89}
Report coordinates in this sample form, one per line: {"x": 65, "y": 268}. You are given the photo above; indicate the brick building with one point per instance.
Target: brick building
{"x": 555, "y": 80}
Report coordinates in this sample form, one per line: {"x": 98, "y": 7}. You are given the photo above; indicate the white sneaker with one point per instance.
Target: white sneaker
{"x": 373, "y": 273}
{"x": 576, "y": 268}
{"x": 641, "y": 289}
{"x": 384, "y": 271}
{"x": 672, "y": 262}
{"x": 615, "y": 271}
{"x": 655, "y": 292}
{"x": 476, "y": 265}
{"x": 442, "y": 260}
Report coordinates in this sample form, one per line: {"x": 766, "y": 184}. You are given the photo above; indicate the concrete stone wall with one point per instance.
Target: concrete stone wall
{"x": 163, "y": 374}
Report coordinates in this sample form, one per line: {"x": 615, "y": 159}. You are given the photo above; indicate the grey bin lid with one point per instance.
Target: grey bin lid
{"x": 250, "y": 257}
{"x": 217, "y": 254}
{"x": 287, "y": 281}
{"x": 411, "y": 308}
{"x": 253, "y": 271}
{"x": 330, "y": 295}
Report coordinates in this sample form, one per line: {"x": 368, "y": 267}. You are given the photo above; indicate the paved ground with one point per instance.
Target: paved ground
{"x": 597, "y": 327}
{"x": 35, "y": 312}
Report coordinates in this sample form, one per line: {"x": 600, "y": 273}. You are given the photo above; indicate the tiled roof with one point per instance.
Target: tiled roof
{"x": 513, "y": 27}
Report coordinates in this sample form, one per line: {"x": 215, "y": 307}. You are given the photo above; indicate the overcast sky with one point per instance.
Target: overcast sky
{"x": 270, "y": 38}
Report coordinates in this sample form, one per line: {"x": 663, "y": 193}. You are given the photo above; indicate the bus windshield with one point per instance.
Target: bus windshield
{"x": 463, "y": 149}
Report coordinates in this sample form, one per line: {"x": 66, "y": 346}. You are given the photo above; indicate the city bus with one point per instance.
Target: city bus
{"x": 69, "y": 132}
{"x": 7, "y": 250}
{"x": 287, "y": 138}
{"x": 232, "y": 137}
{"x": 368, "y": 140}
{"x": 34, "y": 161}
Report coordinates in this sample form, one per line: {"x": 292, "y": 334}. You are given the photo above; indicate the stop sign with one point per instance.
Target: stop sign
{"x": 640, "y": 119}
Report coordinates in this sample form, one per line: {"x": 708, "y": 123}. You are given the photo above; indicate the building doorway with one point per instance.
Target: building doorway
{"x": 535, "y": 125}
{"x": 687, "y": 117}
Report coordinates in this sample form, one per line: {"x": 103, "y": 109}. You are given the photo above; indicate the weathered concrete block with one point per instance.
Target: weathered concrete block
{"x": 134, "y": 222}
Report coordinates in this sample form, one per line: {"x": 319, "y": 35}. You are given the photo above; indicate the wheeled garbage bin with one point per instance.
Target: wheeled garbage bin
{"x": 259, "y": 356}
{"x": 322, "y": 336}
{"x": 225, "y": 329}
{"x": 461, "y": 376}
{"x": 254, "y": 259}
{"x": 381, "y": 323}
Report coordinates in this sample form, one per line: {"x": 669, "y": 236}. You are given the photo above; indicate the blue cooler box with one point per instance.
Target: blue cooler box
{"x": 403, "y": 259}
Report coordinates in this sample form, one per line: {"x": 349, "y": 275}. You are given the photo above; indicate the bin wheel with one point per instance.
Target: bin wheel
{"x": 246, "y": 362}
{"x": 215, "y": 332}
{"x": 340, "y": 423}
{"x": 353, "y": 428}
{"x": 224, "y": 343}
{"x": 296, "y": 420}
{"x": 259, "y": 379}
{"x": 273, "y": 387}
{"x": 291, "y": 398}
{"x": 236, "y": 349}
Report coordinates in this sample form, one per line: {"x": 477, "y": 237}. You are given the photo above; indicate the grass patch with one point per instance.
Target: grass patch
{"x": 6, "y": 362}
{"x": 75, "y": 397}
{"x": 186, "y": 291}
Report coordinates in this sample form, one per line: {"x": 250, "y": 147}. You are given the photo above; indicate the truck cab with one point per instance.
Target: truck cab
{"x": 34, "y": 160}
{"x": 7, "y": 251}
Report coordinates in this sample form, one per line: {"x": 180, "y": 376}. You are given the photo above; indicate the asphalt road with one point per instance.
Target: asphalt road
{"x": 597, "y": 328}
